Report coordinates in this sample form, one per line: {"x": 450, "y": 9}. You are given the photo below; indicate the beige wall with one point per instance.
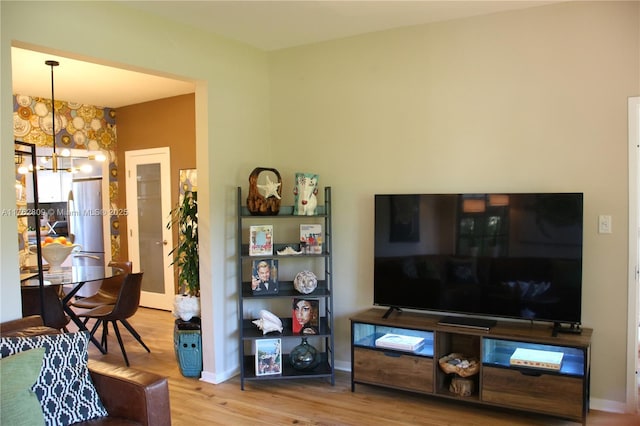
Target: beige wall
{"x": 533, "y": 100}
{"x": 523, "y": 101}
{"x": 166, "y": 122}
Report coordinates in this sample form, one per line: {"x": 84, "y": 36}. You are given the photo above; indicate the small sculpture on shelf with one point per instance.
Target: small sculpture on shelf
{"x": 305, "y": 282}
{"x": 288, "y": 251}
{"x": 459, "y": 364}
{"x": 463, "y": 367}
{"x": 305, "y": 191}
{"x": 266, "y": 203}
{"x": 268, "y": 322}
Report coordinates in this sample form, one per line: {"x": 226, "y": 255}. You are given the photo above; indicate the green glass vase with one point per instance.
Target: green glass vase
{"x": 304, "y": 357}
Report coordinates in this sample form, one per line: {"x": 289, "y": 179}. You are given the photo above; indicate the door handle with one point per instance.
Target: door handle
{"x": 87, "y": 255}
{"x": 164, "y": 242}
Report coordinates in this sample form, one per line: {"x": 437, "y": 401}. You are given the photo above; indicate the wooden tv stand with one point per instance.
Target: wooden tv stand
{"x": 561, "y": 393}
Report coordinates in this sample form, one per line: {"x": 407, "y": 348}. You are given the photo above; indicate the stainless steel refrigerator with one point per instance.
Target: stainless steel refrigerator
{"x": 85, "y": 216}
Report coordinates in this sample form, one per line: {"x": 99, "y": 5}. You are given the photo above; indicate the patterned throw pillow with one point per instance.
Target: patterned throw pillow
{"x": 64, "y": 388}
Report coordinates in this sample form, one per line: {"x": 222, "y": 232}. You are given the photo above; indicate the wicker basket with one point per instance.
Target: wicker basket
{"x": 459, "y": 364}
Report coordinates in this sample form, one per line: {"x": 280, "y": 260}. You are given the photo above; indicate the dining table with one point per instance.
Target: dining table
{"x": 74, "y": 278}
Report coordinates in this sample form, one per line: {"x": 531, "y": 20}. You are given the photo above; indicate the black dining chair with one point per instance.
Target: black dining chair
{"x": 125, "y": 307}
{"x": 109, "y": 288}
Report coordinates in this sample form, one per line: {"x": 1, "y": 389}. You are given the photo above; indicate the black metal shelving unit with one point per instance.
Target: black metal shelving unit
{"x": 323, "y": 269}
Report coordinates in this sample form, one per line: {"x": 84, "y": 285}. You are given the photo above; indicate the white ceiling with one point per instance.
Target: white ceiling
{"x": 79, "y": 81}
{"x": 266, "y": 25}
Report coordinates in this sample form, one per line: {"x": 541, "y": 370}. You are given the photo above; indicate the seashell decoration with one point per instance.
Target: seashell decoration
{"x": 268, "y": 322}
{"x": 288, "y": 251}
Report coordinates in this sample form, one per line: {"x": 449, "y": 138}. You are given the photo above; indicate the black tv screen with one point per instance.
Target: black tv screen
{"x": 515, "y": 255}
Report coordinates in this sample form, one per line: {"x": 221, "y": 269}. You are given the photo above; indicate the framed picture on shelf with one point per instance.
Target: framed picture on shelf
{"x": 311, "y": 238}
{"x": 305, "y": 316}
{"x": 268, "y": 357}
{"x": 264, "y": 276}
{"x": 261, "y": 240}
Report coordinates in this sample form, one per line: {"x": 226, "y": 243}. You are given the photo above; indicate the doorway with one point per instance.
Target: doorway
{"x": 149, "y": 241}
{"x": 633, "y": 354}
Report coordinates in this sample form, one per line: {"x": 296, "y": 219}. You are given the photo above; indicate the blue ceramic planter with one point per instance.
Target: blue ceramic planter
{"x": 187, "y": 339}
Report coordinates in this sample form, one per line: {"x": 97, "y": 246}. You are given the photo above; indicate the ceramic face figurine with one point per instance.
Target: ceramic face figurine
{"x": 305, "y": 192}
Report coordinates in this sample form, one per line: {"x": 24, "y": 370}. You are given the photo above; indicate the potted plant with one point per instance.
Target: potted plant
{"x": 185, "y": 255}
{"x": 187, "y": 337}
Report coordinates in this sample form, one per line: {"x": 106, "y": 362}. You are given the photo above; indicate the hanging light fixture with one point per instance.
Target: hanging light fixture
{"x": 65, "y": 153}
{"x": 54, "y": 157}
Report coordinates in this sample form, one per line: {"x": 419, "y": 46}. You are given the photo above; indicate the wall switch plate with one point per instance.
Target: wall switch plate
{"x": 604, "y": 224}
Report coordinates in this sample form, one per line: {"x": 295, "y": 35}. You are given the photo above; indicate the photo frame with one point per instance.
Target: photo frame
{"x": 311, "y": 238}
{"x": 405, "y": 219}
{"x": 268, "y": 357}
{"x": 264, "y": 276}
{"x": 261, "y": 240}
{"x": 305, "y": 316}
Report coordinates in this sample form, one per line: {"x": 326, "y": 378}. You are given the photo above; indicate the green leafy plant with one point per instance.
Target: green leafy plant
{"x": 185, "y": 254}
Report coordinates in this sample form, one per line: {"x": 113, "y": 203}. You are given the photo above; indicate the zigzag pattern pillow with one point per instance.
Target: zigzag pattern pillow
{"x": 64, "y": 388}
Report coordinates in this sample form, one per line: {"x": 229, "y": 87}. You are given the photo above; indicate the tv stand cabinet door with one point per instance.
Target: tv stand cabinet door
{"x": 545, "y": 393}
{"x": 393, "y": 369}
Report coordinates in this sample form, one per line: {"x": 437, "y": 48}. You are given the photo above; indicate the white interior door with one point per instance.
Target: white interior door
{"x": 149, "y": 204}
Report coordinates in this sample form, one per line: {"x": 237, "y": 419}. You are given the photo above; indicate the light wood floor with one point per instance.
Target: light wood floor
{"x": 304, "y": 402}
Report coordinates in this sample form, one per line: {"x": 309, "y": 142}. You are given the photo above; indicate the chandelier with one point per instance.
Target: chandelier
{"x": 62, "y": 161}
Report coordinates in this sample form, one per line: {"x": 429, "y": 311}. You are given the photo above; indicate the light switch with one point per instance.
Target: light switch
{"x": 604, "y": 224}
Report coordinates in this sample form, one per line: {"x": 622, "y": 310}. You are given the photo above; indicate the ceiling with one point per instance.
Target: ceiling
{"x": 266, "y": 25}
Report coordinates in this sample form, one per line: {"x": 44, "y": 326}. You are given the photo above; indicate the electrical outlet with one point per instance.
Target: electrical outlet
{"x": 604, "y": 224}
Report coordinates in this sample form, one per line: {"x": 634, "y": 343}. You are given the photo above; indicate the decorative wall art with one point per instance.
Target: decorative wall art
{"x": 78, "y": 126}
{"x": 188, "y": 182}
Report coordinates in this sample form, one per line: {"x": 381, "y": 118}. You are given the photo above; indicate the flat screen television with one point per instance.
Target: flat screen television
{"x": 509, "y": 255}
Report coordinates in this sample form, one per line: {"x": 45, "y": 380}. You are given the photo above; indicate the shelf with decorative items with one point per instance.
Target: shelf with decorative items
{"x": 285, "y": 291}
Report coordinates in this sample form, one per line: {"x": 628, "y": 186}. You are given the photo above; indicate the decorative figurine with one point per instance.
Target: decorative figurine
{"x": 305, "y": 191}
{"x": 305, "y": 282}
{"x": 268, "y": 322}
{"x": 288, "y": 251}
{"x": 268, "y": 202}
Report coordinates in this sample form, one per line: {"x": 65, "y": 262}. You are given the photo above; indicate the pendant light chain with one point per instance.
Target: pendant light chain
{"x": 54, "y": 159}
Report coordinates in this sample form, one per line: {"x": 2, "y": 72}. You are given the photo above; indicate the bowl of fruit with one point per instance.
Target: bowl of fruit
{"x": 55, "y": 251}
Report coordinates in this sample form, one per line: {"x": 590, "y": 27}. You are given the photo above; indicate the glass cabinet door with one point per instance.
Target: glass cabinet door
{"x": 375, "y": 336}
{"x": 503, "y": 353}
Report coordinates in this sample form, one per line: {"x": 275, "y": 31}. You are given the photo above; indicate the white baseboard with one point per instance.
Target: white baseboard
{"x": 607, "y": 405}
{"x": 216, "y": 379}
{"x": 343, "y": 366}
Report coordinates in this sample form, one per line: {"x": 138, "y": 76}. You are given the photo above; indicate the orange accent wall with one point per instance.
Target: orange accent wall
{"x": 166, "y": 122}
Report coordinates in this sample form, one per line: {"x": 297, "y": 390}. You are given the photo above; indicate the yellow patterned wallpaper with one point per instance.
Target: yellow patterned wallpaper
{"x": 78, "y": 126}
